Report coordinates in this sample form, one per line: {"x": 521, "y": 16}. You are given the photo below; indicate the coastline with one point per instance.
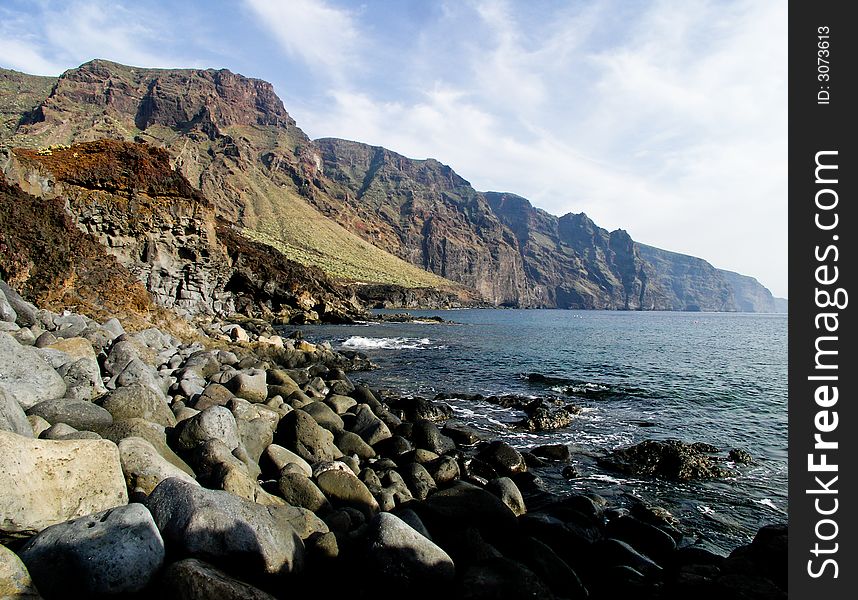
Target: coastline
{"x": 253, "y": 466}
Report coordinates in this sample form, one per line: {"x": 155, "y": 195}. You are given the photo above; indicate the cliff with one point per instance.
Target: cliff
{"x": 751, "y": 296}
{"x": 364, "y": 215}
{"x": 166, "y": 234}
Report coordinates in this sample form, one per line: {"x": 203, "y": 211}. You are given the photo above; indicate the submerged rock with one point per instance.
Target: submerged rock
{"x": 670, "y": 459}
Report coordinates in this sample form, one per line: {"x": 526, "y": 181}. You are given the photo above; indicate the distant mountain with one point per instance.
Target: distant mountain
{"x": 751, "y": 296}
{"x": 363, "y": 214}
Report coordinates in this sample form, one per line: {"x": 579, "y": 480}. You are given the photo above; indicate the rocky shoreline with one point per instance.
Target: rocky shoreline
{"x": 239, "y": 464}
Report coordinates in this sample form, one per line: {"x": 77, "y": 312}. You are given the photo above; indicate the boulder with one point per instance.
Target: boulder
{"x": 80, "y": 414}
{"x": 299, "y": 490}
{"x": 113, "y": 552}
{"x": 278, "y": 457}
{"x": 25, "y": 312}
{"x": 340, "y": 404}
{"x": 250, "y": 385}
{"x": 214, "y": 423}
{"x": 367, "y": 425}
{"x": 351, "y": 443}
{"x": 12, "y": 416}
{"x": 214, "y": 394}
{"x": 15, "y": 580}
{"x": 45, "y": 482}
{"x": 345, "y": 489}
{"x": 501, "y": 579}
{"x": 464, "y": 505}
{"x": 324, "y": 416}
{"x": 7, "y": 313}
{"x": 226, "y": 530}
{"x": 144, "y": 468}
{"x": 139, "y": 401}
{"x": 426, "y": 435}
{"x": 193, "y": 579}
{"x": 669, "y": 459}
{"x": 401, "y": 556}
{"x": 301, "y": 433}
{"x": 419, "y": 481}
{"x": 83, "y": 379}
{"x": 505, "y": 459}
{"x": 26, "y": 375}
{"x": 508, "y": 493}
{"x": 415, "y": 409}
{"x": 153, "y": 433}
{"x": 561, "y": 452}
{"x": 444, "y": 469}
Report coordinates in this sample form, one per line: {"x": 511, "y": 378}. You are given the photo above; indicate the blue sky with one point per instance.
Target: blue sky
{"x": 667, "y": 119}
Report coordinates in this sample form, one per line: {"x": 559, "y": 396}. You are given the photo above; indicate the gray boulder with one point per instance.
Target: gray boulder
{"x": 369, "y": 426}
{"x": 7, "y": 313}
{"x": 193, "y": 579}
{"x": 12, "y": 416}
{"x": 139, "y": 401}
{"x": 299, "y": 432}
{"x": 151, "y": 432}
{"x": 223, "y": 529}
{"x": 117, "y": 551}
{"x": 214, "y": 423}
{"x": 25, "y": 311}
{"x": 144, "y": 468}
{"x": 26, "y": 375}
{"x": 250, "y": 385}
{"x": 299, "y": 490}
{"x": 80, "y": 414}
{"x": 404, "y": 557}
{"x": 345, "y": 489}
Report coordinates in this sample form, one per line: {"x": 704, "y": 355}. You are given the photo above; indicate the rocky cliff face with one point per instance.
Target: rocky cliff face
{"x": 423, "y": 212}
{"x": 362, "y": 214}
{"x": 164, "y": 232}
{"x": 231, "y": 137}
{"x": 751, "y": 296}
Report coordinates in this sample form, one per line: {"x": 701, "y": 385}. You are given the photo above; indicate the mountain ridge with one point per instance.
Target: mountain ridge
{"x": 361, "y": 213}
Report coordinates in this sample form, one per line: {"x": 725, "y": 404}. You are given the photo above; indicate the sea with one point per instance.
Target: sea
{"x": 718, "y": 378}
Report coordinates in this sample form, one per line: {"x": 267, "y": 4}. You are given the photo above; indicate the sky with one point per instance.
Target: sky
{"x": 664, "y": 118}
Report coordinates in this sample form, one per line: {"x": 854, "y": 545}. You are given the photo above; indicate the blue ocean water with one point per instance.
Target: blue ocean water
{"x": 719, "y": 378}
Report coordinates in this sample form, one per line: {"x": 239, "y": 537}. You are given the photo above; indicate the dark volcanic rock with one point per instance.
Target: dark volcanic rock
{"x": 671, "y": 459}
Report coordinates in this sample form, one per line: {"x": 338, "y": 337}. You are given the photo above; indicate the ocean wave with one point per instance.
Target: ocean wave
{"x": 389, "y": 343}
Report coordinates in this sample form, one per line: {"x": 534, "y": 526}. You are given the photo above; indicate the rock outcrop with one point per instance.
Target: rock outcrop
{"x": 167, "y": 235}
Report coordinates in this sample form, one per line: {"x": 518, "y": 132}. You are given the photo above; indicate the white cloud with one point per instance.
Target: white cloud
{"x": 59, "y": 36}
{"x": 670, "y": 124}
{"x": 311, "y": 30}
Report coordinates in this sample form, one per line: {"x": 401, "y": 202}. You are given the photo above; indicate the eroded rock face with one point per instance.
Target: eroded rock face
{"x": 44, "y": 482}
{"x": 117, "y": 551}
{"x": 168, "y": 235}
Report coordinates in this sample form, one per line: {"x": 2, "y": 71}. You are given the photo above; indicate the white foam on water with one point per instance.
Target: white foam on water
{"x": 705, "y": 509}
{"x": 386, "y": 343}
{"x": 768, "y": 502}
